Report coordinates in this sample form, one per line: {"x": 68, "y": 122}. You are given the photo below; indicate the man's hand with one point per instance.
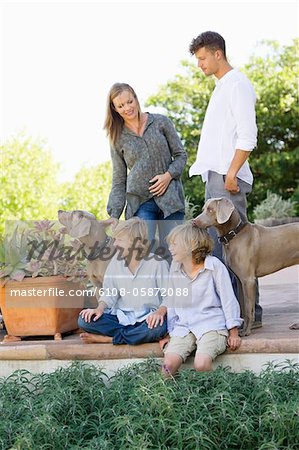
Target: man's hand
{"x": 231, "y": 184}
{"x": 156, "y": 318}
{"x": 87, "y": 314}
{"x": 160, "y": 184}
{"x": 233, "y": 340}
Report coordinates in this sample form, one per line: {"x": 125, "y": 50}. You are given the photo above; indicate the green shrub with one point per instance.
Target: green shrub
{"x": 190, "y": 209}
{"x": 76, "y": 409}
{"x": 275, "y": 207}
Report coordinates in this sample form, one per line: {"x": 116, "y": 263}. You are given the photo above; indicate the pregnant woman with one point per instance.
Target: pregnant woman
{"x": 148, "y": 159}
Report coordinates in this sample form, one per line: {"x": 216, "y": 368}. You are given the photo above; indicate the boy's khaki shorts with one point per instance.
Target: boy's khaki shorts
{"x": 212, "y": 343}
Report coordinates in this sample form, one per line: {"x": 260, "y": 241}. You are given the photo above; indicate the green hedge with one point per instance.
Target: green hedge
{"x": 75, "y": 408}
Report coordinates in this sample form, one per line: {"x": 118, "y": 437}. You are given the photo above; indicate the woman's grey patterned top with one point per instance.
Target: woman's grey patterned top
{"x": 137, "y": 159}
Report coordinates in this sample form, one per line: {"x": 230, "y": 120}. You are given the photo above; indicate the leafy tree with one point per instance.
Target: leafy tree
{"x": 275, "y": 161}
{"x": 28, "y": 186}
{"x": 275, "y": 77}
{"x": 30, "y": 190}
{"x": 89, "y": 190}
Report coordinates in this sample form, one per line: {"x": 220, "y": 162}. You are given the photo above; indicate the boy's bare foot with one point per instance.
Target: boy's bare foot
{"x": 167, "y": 373}
{"x": 89, "y": 338}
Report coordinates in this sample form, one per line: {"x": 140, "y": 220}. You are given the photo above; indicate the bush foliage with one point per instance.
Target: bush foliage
{"x": 275, "y": 207}
{"x": 30, "y": 189}
{"x": 28, "y": 181}
{"x": 76, "y": 409}
{"x": 90, "y": 190}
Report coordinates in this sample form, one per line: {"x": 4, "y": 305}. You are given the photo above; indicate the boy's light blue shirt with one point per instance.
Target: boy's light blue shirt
{"x": 132, "y": 297}
{"x": 210, "y": 305}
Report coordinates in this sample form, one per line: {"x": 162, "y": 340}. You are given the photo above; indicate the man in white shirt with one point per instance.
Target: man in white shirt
{"x": 229, "y": 131}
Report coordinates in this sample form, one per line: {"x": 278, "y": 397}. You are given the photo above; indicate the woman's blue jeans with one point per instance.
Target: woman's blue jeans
{"x": 153, "y": 215}
{"x": 108, "y": 325}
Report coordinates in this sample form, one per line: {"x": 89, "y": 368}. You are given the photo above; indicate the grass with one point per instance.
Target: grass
{"x": 76, "y": 409}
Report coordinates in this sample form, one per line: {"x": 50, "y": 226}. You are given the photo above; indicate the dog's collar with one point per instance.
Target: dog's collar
{"x": 96, "y": 252}
{"x": 231, "y": 234}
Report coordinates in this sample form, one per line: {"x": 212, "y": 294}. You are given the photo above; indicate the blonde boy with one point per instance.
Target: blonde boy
{"x": 131, "y": 291}
{"x": 202, "y": 310}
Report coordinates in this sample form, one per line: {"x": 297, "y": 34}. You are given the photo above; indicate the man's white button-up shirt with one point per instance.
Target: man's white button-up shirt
{"x": 229, "y": 124}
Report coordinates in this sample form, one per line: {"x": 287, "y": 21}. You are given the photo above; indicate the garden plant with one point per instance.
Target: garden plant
{"x": 274, "y": 206}
{"x": 39, "y": 249}
{"x": 79, "y": 408}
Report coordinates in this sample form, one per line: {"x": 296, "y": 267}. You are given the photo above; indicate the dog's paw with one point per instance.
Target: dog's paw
{"x": 245, "y": 332}
{"x": 294, "y": 326}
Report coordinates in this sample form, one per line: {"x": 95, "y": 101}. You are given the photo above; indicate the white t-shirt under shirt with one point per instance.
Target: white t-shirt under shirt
{"x": 133, "y": 297}
{"x": 229, "y": 124}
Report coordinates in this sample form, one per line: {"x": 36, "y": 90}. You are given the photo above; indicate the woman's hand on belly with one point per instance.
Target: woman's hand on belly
{"x": 160, "y": 183}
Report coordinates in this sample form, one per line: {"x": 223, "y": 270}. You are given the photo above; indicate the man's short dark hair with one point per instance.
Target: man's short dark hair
{"x": 209, "y": 39}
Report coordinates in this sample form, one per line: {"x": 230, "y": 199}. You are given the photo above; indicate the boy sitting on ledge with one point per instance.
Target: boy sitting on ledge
{"x": 203, "y": 312}
{"x": 132, "y": 287}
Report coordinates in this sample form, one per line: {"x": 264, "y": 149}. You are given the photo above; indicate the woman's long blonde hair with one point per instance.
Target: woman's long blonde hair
{"x": 114, "y": 122}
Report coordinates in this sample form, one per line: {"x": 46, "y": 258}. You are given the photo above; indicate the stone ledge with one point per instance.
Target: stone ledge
{"x": 66, "y": 350}
{"x": 267, "y": 345}
{"x": 103, "y": 351}
{"x": 30, "y": 352}
{"x": 237, "y": 363}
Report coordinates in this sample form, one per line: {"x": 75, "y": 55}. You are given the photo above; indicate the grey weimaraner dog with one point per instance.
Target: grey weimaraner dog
{"x": 251, "y": 251}
{"x": 98, "y": 247}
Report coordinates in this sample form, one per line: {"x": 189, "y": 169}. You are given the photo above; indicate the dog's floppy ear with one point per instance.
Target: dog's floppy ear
{"x": 80, "y": 227}
{"x": 224, "y": 210}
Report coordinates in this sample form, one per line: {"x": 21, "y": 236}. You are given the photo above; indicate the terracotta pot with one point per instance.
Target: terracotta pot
{"x": 42, "y": 306}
